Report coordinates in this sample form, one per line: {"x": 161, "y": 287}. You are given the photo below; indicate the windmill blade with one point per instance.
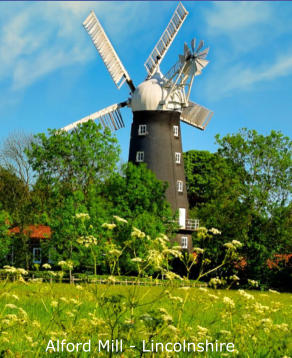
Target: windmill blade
{"x": 187, "y": 52}
{"x": 203, "y": 53}
{"x": 107, "y": 52}
{"x": 193, "y": 44}
{"x": 166, "y": 39}
{"x": 196, "y": 115}
{"x": 201, "y": 44}
{"x": 200, "y": 64}
{"x": 109, "y": 117}
{"x": 181, "y": 59}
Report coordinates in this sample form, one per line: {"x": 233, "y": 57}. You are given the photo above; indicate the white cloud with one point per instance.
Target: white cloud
{"x": 227, "y": 17}
{"x": 241, "y": 77}
{"x": 43, "y": 37}
{"x": 248, "y": 46}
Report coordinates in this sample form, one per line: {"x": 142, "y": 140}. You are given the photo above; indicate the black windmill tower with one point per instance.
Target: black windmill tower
{"x": 158, "y": 104}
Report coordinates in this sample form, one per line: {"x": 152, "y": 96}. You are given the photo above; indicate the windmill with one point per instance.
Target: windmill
{"x": 158, "y": 104}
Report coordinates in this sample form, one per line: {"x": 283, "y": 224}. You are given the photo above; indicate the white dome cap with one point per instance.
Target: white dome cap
{"x": 149, "y": 94}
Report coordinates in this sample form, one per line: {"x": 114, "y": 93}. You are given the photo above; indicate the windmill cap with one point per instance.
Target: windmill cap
{"x": 149, "y": 95}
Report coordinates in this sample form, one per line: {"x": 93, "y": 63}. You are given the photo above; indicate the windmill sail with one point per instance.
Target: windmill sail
{"x": 106, "y": 51}
{"x": 109, "y": 117}
{"x": 196, "y": 115}
{"x": 166, "y": 39}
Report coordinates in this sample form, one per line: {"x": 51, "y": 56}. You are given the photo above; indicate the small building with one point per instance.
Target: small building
{"x": 36, "y": 233}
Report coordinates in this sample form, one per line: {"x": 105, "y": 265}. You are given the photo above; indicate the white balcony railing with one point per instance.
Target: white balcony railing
{"x": 192, "y": 224}
{"x": 189, "y": 224}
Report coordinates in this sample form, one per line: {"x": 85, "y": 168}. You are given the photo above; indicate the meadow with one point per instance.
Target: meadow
{"x": 32, "y": 314}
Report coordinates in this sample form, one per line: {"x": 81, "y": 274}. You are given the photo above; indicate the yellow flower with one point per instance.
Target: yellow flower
{"x": 36, "y": 324}
{"x": 11, "y": 305}
{"x": 228, "y": 302}
{"x": 273, "y": 291}
{"x": 202, "y": 331}
{"x": 137, "y": 233}
{"x": 246, "y": 295}
{"x": 119, "y": 219}
{"x": 82, "y": 216}
{"x": 54, "y": 304}
{"x": 198, "y": 250}
{"x": 215, "y": 231}
{"x": 47, "y": 266}
{"x": 176, "y": 298}
{"x": 108, "y": 226}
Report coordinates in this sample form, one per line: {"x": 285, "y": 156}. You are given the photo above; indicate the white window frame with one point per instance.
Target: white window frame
{"x": 177, "y": 157}
{"x": 180, "y": 186}
{"x": 184, "y": 242}
{"x": 175, "y": 131}
{"x": 142, "y": 130}
{"x": 34, "y": 260}
{"x": 140, "y": 157}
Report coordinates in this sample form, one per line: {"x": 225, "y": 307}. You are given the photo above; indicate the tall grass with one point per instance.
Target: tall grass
{"x": 259, "y": 324}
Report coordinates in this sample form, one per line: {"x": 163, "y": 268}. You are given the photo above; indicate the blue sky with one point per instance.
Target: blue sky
{"x": 51, "y": 75}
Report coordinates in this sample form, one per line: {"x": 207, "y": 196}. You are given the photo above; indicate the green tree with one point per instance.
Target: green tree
{"x": 5, "y": 239}
{"x": 244, "y": 190}
{"x": 76, "y": 159}
{"x": 12, "y": 190}
{"x": 266, "y": 167}
{"x": 137, "y": 195}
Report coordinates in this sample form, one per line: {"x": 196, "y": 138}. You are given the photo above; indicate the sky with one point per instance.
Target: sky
{"x": 51, "y": 75}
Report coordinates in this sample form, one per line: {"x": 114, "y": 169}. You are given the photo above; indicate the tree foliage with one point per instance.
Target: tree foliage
{"x": 266, "y": 166}
{"x": 78, "y": 158}
{"x": 244, "y": 190}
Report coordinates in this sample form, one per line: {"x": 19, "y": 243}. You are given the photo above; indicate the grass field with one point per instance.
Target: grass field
{"x": 257, "y": 323}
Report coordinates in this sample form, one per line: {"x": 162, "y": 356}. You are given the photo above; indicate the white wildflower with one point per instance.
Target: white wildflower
{"x": 108, "y": 226}
{"x": 202, "y": 331}
{"x": 234, "y": 278}
{"x": 253, "y": 283}
{"x": 137, "y": 233}
{"x": 215, "y": 231}
{"x": 54, "y": 304}
{"x": 11, "y": 306}
{"x": 236, "y": 243}
{"x": 21, "y": 271}
{"x": 115, "y": 252}
{"x": 171, "y": 276}
{"x": 203, "y": 289}
{"x": 47, "y": 266}
{"x": 246, "y": 295}
{"x": 228, "y": 302}
{"x": 119, "y": 219}
{"x": 82, "y": 216}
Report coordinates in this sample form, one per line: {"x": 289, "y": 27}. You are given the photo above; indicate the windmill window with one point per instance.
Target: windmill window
{"x": 140, "y": 157}
{"x": 36, "y": 255}
{"x": 180, "y": 186}
{"x": 177, "y": 157}
{"x": 175, "y": 131}
{"x": 142, "y": 129}
{"x": 184, "y": 242}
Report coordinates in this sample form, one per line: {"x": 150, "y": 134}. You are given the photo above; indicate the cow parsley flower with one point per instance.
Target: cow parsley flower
{"x": 119, "y": 219}
{"x": 47, "y": 266}
{"x": 108, "y": 226}
{"x": 228, "y": 302}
